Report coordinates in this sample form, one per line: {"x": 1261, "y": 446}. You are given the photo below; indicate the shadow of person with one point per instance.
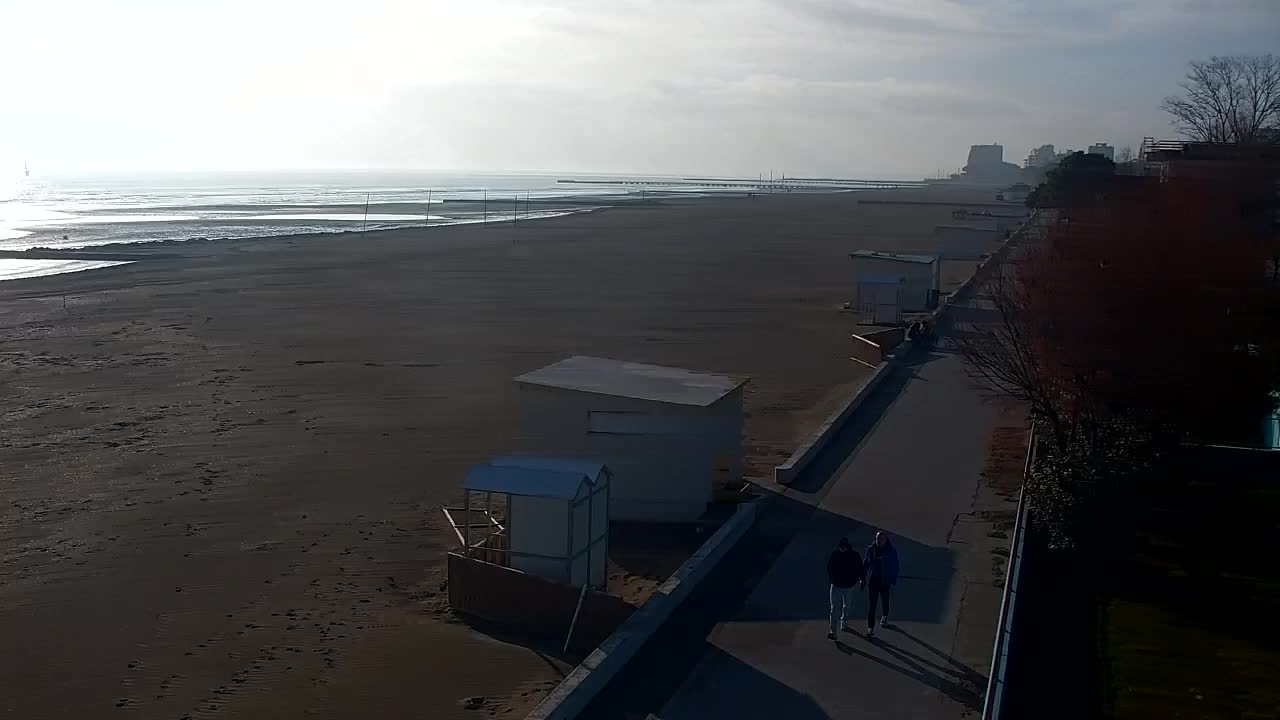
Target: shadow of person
{"x": 964, "y": 692}
{"x": 913, "y": 658}
{"x": 913, "y": 668}
{"x": 969, "y": 673}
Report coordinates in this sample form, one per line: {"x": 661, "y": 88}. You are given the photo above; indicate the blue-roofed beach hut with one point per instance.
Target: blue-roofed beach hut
{"x": 556, "y": 522}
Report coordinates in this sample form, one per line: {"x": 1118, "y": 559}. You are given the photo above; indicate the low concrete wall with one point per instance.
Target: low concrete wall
{"x": 993, "y": 699}
{"x": 786, "y": 473}
{"x": 532, "y": 606}
{"x": 965, "y": 292}
{"x": 586, "y": 681}
{"x": 984, "y": 269}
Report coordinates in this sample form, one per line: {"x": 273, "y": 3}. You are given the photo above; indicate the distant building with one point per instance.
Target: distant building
{"x": 1245, "y": 165}
{"x": 986, "y": 165}
{"x": 1210, "y": 161}
{"x": 985, "y": 155}
{"x": 1254, "y": 172}
{"x": 1104, "y": 150}
{"x": 1042, "y": 156}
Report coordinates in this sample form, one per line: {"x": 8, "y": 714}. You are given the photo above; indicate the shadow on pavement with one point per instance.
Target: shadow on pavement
{"x": 674, "y": 652}
{"x": 962, "y": 688}
{"x": 680, "y": 660}
{"x": 754, "y": 694}
{"x": 956, "y": 667}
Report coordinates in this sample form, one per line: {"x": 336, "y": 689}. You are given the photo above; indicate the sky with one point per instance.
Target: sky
{"x": 883, "y": 89}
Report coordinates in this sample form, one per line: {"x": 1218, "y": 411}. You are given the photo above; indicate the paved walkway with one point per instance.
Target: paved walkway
{"x": 913, "y": 471}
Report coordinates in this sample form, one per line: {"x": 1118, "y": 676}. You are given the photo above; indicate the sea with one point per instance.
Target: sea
{"x": 84, "y": 212}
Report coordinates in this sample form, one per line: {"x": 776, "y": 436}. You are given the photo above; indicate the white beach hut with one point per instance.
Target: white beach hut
{"x": 668, "y": 435}
{"x": 917, "y": 276}
{"x": 556, "y": 522}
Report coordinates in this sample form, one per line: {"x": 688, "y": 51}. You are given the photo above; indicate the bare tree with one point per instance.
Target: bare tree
{"x": 1124, "y": 155}
{"x": 1000, "y": 347}
{"x": 1232, "y": 99}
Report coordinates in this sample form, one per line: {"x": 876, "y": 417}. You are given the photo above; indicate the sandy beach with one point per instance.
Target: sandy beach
{"x": 221, "y": 473}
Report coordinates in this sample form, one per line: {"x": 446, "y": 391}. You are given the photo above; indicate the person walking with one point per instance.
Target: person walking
{"x": 844, "y": 570}
{"x": 881, "y": 565}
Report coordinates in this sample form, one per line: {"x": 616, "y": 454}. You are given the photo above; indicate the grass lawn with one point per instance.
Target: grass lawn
{"x": 1190, "y": 625}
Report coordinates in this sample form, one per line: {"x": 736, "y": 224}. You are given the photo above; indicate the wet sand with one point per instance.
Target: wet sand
{"x": 220, "y": 474}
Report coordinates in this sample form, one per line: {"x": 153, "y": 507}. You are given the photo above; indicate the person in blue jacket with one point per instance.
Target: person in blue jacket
{"x": 881, "y": 564}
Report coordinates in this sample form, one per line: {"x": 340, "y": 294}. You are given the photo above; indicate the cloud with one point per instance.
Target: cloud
{"x": 897, "y": 86}
{"x": 977, "y": 25}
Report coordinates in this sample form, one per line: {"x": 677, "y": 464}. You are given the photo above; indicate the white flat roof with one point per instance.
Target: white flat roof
{"x": 974, "y": 228}
{"x": 899, "y": 257}
{"x": 657, "y": 383}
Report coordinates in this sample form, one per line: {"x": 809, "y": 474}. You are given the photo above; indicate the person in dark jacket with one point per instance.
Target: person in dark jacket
{"x": 844, "y": 570}
{"x": 881, "y": 567}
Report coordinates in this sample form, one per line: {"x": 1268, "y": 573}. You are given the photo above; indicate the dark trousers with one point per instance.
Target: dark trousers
{"x": 876, "y": 590}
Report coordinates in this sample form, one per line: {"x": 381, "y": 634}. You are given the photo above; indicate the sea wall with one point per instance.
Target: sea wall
{"x": 588, "y": 679}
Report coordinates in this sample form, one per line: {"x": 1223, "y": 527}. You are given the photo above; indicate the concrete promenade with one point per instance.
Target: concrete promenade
{"x": 753, "y": 645}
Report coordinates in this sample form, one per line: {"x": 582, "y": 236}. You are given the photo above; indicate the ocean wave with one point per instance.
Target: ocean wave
{"x": 18, "y": 268}
{"x": 91, "y": 212}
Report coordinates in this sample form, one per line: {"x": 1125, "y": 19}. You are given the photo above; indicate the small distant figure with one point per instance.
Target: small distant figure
{"x": 913, "y": 332}
{"x": 844, "y": 571}
{"x": 881, "y": 563}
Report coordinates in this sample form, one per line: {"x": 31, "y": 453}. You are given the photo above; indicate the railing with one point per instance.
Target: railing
{"x": 1013, "y": 574}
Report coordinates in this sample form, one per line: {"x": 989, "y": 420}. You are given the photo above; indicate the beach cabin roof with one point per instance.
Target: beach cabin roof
{"x": 634, "y": 380}
{"x": 591, "y": 469}
{"x": 975, "y": 228}
{"x": 897, "y": 257}
{"x": 559, "y": 478}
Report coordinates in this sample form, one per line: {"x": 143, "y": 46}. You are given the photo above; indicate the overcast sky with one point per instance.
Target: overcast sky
{"x": 863, "y": 88}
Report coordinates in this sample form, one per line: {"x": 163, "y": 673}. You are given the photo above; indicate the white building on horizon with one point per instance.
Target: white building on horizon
{"x": 1104, "y": 150}
{"x": 1042, "y": 156}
